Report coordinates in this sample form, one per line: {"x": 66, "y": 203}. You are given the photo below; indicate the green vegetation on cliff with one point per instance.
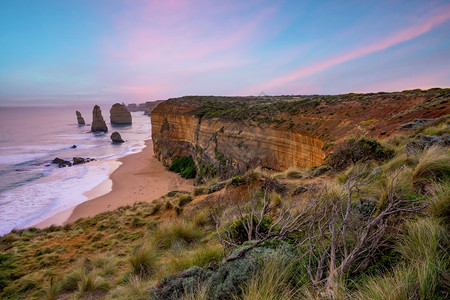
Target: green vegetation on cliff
{"x": 185, "y": 166}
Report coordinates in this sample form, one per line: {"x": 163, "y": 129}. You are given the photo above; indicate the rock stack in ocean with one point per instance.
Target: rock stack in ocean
{"x": 98, "y": 124}
{"x": 115, "y": 137}
{"x": 120, "y": 114}
{"x": 80, "y": 118}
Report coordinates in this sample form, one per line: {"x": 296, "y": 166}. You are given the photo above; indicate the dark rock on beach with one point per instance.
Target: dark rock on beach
{"x": 98, "y": 124}
{"x": 61, "y": 162}
{"x": 76, "y": 161}
{"x": 80, "y": 119}
{"x": 116, "y": 138}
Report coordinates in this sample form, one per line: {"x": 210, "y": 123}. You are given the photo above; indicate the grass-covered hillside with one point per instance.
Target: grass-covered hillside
{"x": 371, "y": 223}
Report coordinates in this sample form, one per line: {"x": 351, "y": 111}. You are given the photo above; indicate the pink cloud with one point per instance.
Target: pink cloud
{"x": 400, "y": 36}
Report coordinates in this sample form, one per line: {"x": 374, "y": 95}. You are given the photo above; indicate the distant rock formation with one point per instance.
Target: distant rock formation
{"x": 119, "y": 114}
{"x": 150, "y": 106}
{"x": 115, "y": 137}
{"x": 132, "y": 107}
{"x": 80, "y": 118}
{"x": 98, "y": 124}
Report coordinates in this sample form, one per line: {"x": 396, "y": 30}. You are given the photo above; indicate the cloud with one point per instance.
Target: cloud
{"x": 440, "y": 16}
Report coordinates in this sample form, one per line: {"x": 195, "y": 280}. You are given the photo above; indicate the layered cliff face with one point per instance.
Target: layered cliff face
{"x": 226, "y": 148}
{"x": 229, "y": 135}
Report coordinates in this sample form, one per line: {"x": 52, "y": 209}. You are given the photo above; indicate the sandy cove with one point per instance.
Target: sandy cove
{"x": 140, "y": 178}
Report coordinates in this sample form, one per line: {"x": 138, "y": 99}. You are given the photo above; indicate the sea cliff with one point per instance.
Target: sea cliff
{"x": 230, "y": 135}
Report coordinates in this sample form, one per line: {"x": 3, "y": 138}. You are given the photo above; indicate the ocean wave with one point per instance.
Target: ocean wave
{"x": 63, "y": 188}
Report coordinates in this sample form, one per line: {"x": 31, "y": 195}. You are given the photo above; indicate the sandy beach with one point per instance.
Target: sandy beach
{"x": 139, "y": 178}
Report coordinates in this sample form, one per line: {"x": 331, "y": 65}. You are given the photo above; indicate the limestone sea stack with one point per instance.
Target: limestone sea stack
{"x": 80, "y": 118}
{"x": 116, "y": 138}
{"x": 98, "y": 124}
{"x": 120, "y": 114}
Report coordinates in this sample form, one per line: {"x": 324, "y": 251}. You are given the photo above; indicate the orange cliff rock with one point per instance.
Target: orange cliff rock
{"x": 230, "y": 135}
{"x": 232, "y": 147}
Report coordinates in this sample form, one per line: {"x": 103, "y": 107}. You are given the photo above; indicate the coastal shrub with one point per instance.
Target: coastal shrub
{"x": 361, "y": 150}
{"x": 434, "y": 165}
{"x": 178, "y": 209}
{"x": 237, "y": 229}
{"x": 184, "y": 199}
{"x": 299, "y": 189}
{"x": 174, "y": 286}
{"x": 293, "y": 173}
{"x": 184, "y": 165}
{"x": 237, "y": 180}
{"x": 143, "y": 260}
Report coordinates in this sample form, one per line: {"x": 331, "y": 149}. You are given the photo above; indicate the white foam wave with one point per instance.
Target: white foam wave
{"x": 14, "y": 159}
{"x": 62, "y": 189}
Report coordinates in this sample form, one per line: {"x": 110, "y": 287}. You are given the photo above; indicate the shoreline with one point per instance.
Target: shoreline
{"x": 140, "y": 177}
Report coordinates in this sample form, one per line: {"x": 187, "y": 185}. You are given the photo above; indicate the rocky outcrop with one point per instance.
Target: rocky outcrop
{"x": 80, "y": 118}
{"x": 98, "y": 124}
{"x": 116, "y": 138}
{"x": 119, "y": 114}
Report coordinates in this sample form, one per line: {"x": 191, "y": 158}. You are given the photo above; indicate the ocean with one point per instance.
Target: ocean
{"x": 31, "y": 188}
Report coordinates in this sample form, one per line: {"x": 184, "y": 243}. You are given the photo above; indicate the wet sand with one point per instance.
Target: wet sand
{"x": 140, "y": 178}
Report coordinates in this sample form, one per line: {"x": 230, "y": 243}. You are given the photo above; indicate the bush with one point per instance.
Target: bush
{"x": 184, "y": 165}
{"x": 238, "y": 232}
{"x": 359, "y": 151}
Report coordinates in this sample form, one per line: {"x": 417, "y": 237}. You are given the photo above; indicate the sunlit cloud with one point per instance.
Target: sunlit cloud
{"x": 403, "y": 35}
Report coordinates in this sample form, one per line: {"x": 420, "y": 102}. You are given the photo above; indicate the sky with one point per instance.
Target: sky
{"x": 104, "y": 51}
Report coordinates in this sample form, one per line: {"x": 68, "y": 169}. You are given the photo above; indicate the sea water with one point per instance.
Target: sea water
{"x": 31, "y": 188}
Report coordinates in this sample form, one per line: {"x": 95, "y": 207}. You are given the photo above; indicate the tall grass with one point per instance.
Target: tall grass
{"x": 92, "y": 282}
{"x": 177, "y": 233}
{"x": 424, "y": 271}
{"x": 439, "y": 202}
{"x": 134, "y": 288}
{"x": 272, "y": 281}
{"x": 434, "y": 165}
{"x": 201, "y": 257}
{"x": 437, "y": 129}
{"x": 143, "y": 260}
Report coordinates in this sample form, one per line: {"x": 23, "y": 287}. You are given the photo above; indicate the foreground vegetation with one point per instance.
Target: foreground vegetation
{"x": 371, "y": 226}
